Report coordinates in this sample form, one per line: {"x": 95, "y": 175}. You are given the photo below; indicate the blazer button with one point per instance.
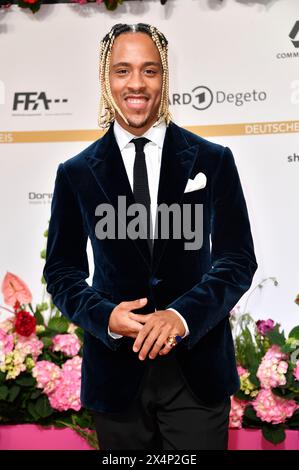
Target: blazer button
{"x": 154, "y": 281}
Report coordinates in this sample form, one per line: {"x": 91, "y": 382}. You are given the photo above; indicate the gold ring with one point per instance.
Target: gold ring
{"x": 171, "y": 340}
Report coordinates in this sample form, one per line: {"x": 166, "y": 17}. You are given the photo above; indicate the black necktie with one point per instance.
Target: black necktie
{"x": 140, "y": 185}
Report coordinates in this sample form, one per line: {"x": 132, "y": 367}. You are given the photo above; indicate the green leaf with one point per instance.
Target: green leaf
{"x": 31, "y": 409}
{"x": 241, "y": 396}
{"x": 250, "y": 414}
{"x": 43, "y": 254}
{"x": 89, "y": 436}
{"x": 80, "y": 334}
{"x": 59, "y": 425}
{"x": 274, "y": 434}
{"x": 39, "y": 318}
{"x": 283, "y": 393}
{"x": 275, "y": 336}
{"x": 293, "y": 422}
{"x": 43, "y": 407}
{"x": 35, "y": 394}
{"x": 294, "y": 333}
{"x": 47, "y": 341}
{"x": 59, "y": 324}
{"x": 57, "y": 314}
{"x": 253, "y": 379}
{"x": 3, "y": 392}
{"x": 43, "y": 306}
{"x": 2, "y": 377}
{"x": 81, "y": 421}
{"x": 64, "y": 421}
{"x": 13, "y": 393}
{"x": 287, "y": 348}
{"x": 26, "y": 381}
{"x": 111, "y": 4}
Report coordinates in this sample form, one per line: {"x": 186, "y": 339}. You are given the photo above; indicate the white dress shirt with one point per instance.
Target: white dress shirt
{"x": 153, "y": 155}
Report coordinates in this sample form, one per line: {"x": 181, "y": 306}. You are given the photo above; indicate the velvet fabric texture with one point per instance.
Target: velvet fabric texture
{"x": 203, "y": 284}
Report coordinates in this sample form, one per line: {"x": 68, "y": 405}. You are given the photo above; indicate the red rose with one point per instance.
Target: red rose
{"x": 25, "y": 323}
{"x": 17, "y": 306}
{"x": 30, "y": 1}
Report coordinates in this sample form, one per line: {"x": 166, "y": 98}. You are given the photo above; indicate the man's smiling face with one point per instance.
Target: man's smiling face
{"x": 136, "y": 80}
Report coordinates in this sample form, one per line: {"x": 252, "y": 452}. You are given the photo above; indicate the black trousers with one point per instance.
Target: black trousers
{"x": 165, "y": 416}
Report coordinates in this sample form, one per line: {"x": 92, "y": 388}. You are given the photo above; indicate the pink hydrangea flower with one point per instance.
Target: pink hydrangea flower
{"x": 67, "y": 393}
{"x": 7, "y": 342}
{"x": 7, "y": 325}
{"x": 241, "y": 370}
{"x": 68, "y": 344}
{"x": 273, "y": 409}
{"x": 296, "y": 371}
{"x": 29, "y": 345}
{"x": 47, "y": 375}
{"x": 273, "y": 368}
{"x": 236, "y": 412}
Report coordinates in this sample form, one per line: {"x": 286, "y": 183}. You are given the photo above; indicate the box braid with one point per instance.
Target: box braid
{"x": 108, "y": 107}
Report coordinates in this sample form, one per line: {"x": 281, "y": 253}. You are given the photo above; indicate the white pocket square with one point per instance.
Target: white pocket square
{"x": 198, "y": 182}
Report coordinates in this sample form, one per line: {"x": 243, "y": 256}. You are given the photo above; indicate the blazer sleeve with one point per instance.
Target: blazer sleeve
{"x": 66, "y": 266}
{"x": 233, "y": 261}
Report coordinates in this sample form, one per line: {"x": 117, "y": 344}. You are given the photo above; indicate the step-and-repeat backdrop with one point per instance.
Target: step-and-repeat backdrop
{"x": 234, "y": 69}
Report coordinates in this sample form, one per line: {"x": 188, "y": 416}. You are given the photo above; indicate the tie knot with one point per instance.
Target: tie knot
{"x": 140, "y": 143}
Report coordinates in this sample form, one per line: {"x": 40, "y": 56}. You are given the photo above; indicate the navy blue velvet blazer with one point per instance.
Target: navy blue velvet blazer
{"x": 203, "y": 284}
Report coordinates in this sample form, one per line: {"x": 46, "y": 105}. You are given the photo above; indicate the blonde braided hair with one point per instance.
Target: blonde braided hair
{"x": 108, "y": 107}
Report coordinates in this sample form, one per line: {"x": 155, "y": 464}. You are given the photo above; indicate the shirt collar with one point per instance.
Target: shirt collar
{"x": 155, "y": 134}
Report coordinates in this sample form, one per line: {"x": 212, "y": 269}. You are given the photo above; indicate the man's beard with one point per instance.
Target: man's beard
{"x": 138, "y": 125}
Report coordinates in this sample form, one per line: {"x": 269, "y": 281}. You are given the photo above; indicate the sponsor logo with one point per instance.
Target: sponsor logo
{"x": 294, "y": 34}
{"x": 35, "y": 103}
{"x": 294, "y": 37}
{"x": 39, "y": 198}
{"x": 202, "y": 97}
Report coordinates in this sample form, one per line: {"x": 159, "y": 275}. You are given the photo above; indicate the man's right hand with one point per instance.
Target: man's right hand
{"x": 121, "y": 323}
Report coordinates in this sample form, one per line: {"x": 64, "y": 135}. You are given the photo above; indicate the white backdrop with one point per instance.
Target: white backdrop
{"x": 234, "y": 74}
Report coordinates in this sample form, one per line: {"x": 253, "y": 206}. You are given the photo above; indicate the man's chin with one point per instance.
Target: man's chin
{"x": 137, "y": 124}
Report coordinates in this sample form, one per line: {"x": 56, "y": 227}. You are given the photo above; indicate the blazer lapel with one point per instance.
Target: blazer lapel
{"x": 110, "y": 173}
{"x": 178, "y": 158}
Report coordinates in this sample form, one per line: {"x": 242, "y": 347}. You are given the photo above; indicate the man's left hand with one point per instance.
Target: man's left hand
{"x": 153, "y": 336}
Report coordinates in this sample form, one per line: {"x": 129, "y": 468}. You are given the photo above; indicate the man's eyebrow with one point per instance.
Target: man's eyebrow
{"x": 145, "y": 64}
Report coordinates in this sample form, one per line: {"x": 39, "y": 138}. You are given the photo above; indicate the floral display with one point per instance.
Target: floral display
{"x": 34, "y": 5}
{"x": 268, "y": 368}
{"x": 40, "y": 369}
{"x": 40, "y": 364}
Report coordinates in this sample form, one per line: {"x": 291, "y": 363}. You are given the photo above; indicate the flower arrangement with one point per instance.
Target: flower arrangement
{"x": 40, "y": 368}
{"x": 34, "y": 5}
{"x": 40, "y": 364}
{"x": 268, "y": 367}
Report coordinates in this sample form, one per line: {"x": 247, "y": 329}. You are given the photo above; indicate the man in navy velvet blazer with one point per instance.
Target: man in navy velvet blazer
{"x": 158, "y": 358}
